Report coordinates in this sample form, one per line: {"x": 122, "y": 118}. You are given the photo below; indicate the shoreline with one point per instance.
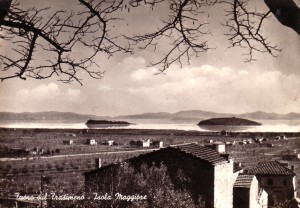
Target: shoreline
{"x": 142, "y": 131}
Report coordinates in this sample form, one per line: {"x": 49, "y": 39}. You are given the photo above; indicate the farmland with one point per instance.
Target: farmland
{"x": 63, "y": 165}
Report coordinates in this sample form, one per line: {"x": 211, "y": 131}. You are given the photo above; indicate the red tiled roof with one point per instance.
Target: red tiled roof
{"x": 204, "y": 153}
{"x": 269, "y": 168}
{"x": 243, "y": 181}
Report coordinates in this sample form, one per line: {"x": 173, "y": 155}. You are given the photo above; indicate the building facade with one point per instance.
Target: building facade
{"x": 211, "y": 176}
{"x": 278, "y": 180}
{"x": 247, "y": 194}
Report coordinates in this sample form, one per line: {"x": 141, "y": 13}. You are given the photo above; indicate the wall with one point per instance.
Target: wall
{"x": 263, "y": 199}
{"x": 223, "y": 185}
{"x": 251, "y": 197}
{"x": 255, "y": 200}
{"x": 278, "y": 190}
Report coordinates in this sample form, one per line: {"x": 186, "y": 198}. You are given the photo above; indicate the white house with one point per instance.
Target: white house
{"x": 91, "y": 142}
{"x": 146, "y": 143}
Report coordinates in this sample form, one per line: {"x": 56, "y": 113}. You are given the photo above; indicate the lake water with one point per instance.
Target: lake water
{"x": 189, "y": 125}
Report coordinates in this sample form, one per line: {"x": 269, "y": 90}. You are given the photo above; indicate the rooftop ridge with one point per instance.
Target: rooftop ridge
{"x": 272, "y": 167}
{"x": 243, "y": 181}
{"x": 201, "y": 152}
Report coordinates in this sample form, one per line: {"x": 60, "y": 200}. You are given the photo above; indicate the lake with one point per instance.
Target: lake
{"x": 188, "y": 125}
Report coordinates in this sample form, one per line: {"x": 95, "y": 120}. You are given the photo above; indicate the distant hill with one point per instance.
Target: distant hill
{"x": 47, "y": 116}
{"x": 181, "y": 115}
{"x": 199, "y": 115}
{"x": 229, "y": 121}
{"x": 159, "y": 115}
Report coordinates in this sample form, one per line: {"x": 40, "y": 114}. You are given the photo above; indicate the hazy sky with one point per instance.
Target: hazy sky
{"x": 218, "y": 80}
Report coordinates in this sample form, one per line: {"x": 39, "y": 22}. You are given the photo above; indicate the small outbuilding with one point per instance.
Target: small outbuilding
{"x": 247, "y": 194}
{"x": 91, "y": 142}
{"x": 146, "y": 143}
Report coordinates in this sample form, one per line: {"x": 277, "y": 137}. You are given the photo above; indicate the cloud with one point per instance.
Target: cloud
{"x": 134, "y": 61}
{"x": 45, "y": 97}
{"x": 45, "y": 91}
{"x": 105, "y": 87}
{"x": 139, "y": 90}
{"x": 143, "y": 74}
{"x": 39, "y": 92}
{"x": 73, "y": 93}
{"x": 219, "y": 89}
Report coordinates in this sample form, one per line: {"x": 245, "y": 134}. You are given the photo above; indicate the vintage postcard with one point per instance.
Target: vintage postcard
{"x": 150, "y": 103}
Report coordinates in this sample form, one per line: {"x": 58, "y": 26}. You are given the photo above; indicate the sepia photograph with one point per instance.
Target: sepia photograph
{"x": 149, "y": 103}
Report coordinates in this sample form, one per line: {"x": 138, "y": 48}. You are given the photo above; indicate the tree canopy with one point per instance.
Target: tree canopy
{"x": 46, "y": 43}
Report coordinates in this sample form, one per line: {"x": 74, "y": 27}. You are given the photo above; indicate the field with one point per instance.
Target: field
{"x": 62, "y": 168}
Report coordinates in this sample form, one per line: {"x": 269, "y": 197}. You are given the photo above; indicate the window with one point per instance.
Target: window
{"x": 285, "y": 182}
{"x": 270, "y": 182}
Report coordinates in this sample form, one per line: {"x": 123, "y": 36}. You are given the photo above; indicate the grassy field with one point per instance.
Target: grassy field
{"x": 64, "y": 170}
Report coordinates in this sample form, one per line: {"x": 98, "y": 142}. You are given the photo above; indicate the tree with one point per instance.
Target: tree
{"x": 64, "y": 33}
{"x": 152, "y": 182}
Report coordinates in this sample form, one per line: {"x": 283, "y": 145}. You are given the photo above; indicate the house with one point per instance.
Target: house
{"x": 161, "y": 144}
{"x": 247, "y": 194}
{"x": 146, "y": 143}
{"x": 211, "y": 174}
{"x": 91, "y": 142}
{"x": 283, "y": 137}
{"x": 110, "y": 142}
{"x": 278, "y": 180}
{"x": 68, "y": 142}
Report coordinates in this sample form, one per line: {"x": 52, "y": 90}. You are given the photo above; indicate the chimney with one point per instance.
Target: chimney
{"x": 98, "y": 163}
{"x": 292, "y": 167}
{"x": 226, "y": 156}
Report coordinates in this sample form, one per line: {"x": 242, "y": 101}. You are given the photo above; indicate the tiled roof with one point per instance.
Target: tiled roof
{"x": 243, "y": 181}
{"x": 204, "y": 153}
{"x": 269, "y": 168}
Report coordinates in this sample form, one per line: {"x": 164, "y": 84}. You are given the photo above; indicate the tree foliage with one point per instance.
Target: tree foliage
{"x": 46, "y": 43}
{"x": 152, "y": 182}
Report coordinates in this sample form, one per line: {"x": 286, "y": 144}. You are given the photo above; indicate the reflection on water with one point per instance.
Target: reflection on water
{"x": 107, "y": 126}
{"x": 268, "y": 125}
{"x": 226, "y": 128}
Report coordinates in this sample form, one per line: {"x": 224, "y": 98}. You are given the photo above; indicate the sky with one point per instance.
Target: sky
{"x": 218, "y": 80}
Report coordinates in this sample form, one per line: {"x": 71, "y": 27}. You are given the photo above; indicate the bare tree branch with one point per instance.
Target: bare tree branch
{"x": 245, "y": 29}
{"x": 182, "y": 35}
{"x": 60, "y": 36}
{"x": 184, "y": 30}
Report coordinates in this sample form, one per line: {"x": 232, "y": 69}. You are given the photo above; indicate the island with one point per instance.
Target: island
{"x": 106, "y": 123}
{"x": 229, "y": 121}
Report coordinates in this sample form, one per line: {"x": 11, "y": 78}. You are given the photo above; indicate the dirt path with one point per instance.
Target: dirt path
{"x": 76, "y": 155}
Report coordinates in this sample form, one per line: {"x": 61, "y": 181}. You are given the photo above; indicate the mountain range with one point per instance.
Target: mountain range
{"x": 181, "y": 115}
{"x": 48, "y": 116}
